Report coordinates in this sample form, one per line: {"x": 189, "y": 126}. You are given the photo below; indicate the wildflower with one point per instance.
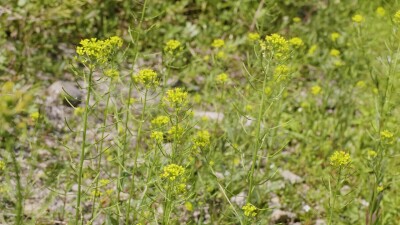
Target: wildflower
{"x": 281, "y": 72}
{"x": 387, "y": 136}
{"x": 35, "y": 116}
{"x": 189, "y": 206}
{"x": 220, "y": 55}
{"x": 296, "y": 42}
{"x": 172, "y": 47}
{"x": 379, "y": 188}
{"x": 218, "y": 43}
{"x": 296, "y": 19}
{"x": 277, "y": 43}
{"x": 357, "y": 18}
{"x": 202, "y": 139}
{"x": 253, "y": 36}
{"x": 99, "y": 50}
{"x": 338, "y": 63}
{"x": 222, "y": 78}
{"x": 360, "y": 84}
{"x": 371, "y": 154}
{"x": 316, "y": 89}
{"x": 111, "y": 73}
{"x": 268, "y": 91}
{"x": 175, "y": 131}
{"x": 312, "y": 49}
{"x": 248, "y": 108}
{"x": 158, "y": 136}
{"x": 380, "y": 11}
{"x": 146, "y": 77}
{"x": 160, "y": 121}
{"x": 335, "y": 36}
{"x": 172, "y": 171}
{"x": 249, "y": 210}
{"x": 340, "y": 158}
{"x": 104, "y": 182}
{"x": 2, "y": 165}
{"x": 131, "y": 101}
{"x": 176, "y": 98}
{"x": 334, "y": 52}
{"x": 396, "y": 18}
{"x": 78, "y": 111}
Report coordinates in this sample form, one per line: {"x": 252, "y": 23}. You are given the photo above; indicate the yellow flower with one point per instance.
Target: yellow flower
{"x": 358, "y": 18}
{"x": 172, "y": 47}
{"x": 340, "y": 159}
{"x": 297, "y": 19}
{"x": 380, "y": 11}
{"x": 396, "y": 18}
{"x": 221, "y": 78}
{"x": 371, "y": 154}
{"x": 335, "y": 36}
{"x": 98, "y": 50}
{"x": 160, "y": 121}
{"x": 379, "y": 188}
{"x": 175, "y": 131}
{"x": 158, "y": 136}
{"x": 249, "y": 210}
{"x": 104, "y": 182}
{"x": 253, "y": 36}
{"x": 315, "y": 90}
{"x": 189, "y": 206}
{"x": 268, "y": 91}
{"x": 146, "y": 77}
{"x": 387, "y": 136}
{"x": 277, "y": 44}
{"x": 218, "y": 43}
{"x": 111, "y": 73}
{"x": 296, "y": 42}
{"x": 281, "y": 72}
{"x": 176, "y": 98}
{"x": 35, "y": 116}
{"x": 220, "y": 55}
{"x": 361, "y": 84}
{"x": 312, "y": 49}
{"x": 172, "y": 171}
{"x": 202, "y": 139}
{"x": 334, "y": 52}
{"x": 2, "y": 165}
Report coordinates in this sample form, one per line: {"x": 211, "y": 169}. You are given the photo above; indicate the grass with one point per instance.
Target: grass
{"x": 200, "y": 112}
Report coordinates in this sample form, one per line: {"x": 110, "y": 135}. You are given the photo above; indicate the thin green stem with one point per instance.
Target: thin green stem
{"x": 82, "y": 156}
{"x": 20, "y": 197}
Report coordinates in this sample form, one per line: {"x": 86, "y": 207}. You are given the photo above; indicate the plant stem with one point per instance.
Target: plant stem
{"x": 82, "y": 156}
{"x": 20, "y": 197}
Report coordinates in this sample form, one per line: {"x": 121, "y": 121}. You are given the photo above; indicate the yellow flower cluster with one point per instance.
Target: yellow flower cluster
{"x": 158, "y": 136}
{"x": 278, "y": 44}
{"x": 2, "y": 165}
{"x": 396, "y": 18}
{"x": 281, "y": 72}
{"x": 202, "y": 139}
{"x": 358, "y": 18}
{"x": 221, "y": 78}
{"x": 387, "y": 136}
{"x": 111, "y": 73}
{"x": 253, "y": 36}
{"x": 296, "y": 42}
{"x": 335, "y": 36}
{"x": 315, "y": 90}
{"x": 172, "y": 171}
{"x": 172, "y": 47}
{"x": 296, "y": 19}
{"x": 175, "y": 131}
{"x": 218, "y": 43}
{"x": 371, "y": 154}
{"x": 35, "y": 116}
{"x": 160, "y": 121}
{"x": 340, "y": 158}
{"x": 249, "y": 210}
{"x": 146, "y": 77}
{"x": 380, "y": 11}
{"x": 334, "y": 52}
{"x": 99, "y": 50}
{"x": 176, "y": 98}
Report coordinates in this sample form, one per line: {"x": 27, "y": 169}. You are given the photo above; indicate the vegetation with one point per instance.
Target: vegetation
{"x": 199, "y": 112}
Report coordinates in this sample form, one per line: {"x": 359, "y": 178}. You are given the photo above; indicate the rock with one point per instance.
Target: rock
{"x": 320, "y": 222}
{"x": 291, "y": 177}
{"x": 239, "y": 199}
{"x": 65, "y": 90}
{"x": 210, "y": 115}
{"x": 282, "y": 217}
